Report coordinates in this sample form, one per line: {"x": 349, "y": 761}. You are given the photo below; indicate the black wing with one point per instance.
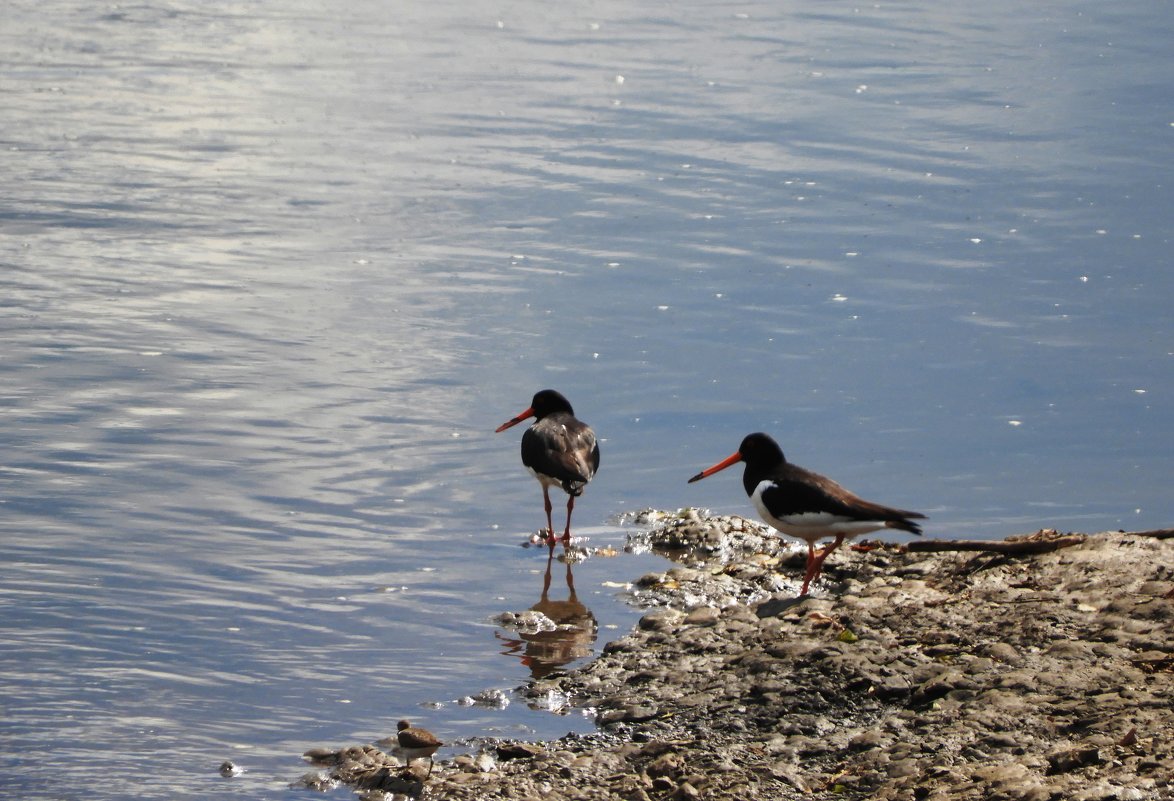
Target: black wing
{"x": 563, "y": 448}
{"x": 799, "y": 491}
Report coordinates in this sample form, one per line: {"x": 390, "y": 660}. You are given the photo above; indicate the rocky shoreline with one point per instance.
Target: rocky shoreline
{"x": 908, "y": 675}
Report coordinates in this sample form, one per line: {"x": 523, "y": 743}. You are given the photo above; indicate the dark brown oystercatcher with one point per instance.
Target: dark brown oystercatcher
{"x": 804, "y": 504}
{"x": 417, "y": 743}
{"x": 559, "y": 450}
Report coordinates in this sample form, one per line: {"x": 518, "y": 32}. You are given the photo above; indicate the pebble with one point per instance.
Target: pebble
{"x": 1002, "y": 652}
{"x": 663, "y": 620}
{"x": 507, "y": 751}
{"x": 703, "y": 616}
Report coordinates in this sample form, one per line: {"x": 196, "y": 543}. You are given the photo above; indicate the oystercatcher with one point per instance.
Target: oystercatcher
{"x": 559, "y": 450}
{"x": 804, "y": 504}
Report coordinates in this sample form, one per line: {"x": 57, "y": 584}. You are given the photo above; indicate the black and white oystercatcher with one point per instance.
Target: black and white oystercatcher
{"x": 804, "y": 504}
{"x": 559, "y": 450}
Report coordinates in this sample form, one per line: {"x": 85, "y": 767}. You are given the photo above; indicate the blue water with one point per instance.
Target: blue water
{"x": 271, "y": 274}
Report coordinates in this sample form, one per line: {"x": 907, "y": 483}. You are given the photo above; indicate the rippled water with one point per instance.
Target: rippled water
{"x": 272, "y": 273}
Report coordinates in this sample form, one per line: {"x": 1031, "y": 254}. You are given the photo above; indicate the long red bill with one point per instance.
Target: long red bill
{"x": 514, "y": 421}
{"x": 722, "y": 465}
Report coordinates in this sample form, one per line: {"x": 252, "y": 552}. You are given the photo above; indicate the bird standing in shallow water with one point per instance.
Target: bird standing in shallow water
{"x": 804, "y": 504}
{"x": 559, "y": 450}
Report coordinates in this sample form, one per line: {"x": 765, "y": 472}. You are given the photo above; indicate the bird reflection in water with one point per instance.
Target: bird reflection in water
{"x": 551, "y": 633}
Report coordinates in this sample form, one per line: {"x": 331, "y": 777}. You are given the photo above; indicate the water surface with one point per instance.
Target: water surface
{"x": 272, "y": 274}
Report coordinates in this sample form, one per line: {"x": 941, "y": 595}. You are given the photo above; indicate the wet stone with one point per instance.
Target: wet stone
{"x": 662, "y": 620}
{"x": 1065, "y": 761}
{"x": 508, "y": 751}
{"x": 703, "y": 616}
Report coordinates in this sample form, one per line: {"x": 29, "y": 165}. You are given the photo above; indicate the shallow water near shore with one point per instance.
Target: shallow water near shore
{"x": 271, "y": 276}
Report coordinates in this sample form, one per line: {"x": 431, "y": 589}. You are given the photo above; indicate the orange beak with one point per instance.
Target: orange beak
{"x": 722, "y": 465}
{"x": 514, "y": 421}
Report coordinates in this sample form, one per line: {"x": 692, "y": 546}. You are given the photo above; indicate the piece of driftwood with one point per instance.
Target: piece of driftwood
{"x": 1158, "y": 533}
{"x": 1009, "y": 547}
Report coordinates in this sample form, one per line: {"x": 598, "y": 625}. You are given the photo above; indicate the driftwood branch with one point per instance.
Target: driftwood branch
{"x": 1012, "y": 547}
{"x": 1158, "y": 533}
{"x": 1043, "y": 541}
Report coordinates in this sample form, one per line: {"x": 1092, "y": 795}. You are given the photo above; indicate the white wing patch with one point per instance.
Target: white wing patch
{"x": 811, "y": 526}
{"x": 545, "y": 480}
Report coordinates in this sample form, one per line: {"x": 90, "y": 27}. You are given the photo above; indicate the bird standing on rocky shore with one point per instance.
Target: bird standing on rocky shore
{"x": 559, "y": 450}
{"x": 417, "y": 743}
{"x": 804, "y": 504}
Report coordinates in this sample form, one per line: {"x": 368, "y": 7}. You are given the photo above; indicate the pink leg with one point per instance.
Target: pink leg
{"x": 548, "y": 507}
{"x": 812, "y": 568}
{"x": 819, "y": 559}
{"x": 567, "y": 531}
